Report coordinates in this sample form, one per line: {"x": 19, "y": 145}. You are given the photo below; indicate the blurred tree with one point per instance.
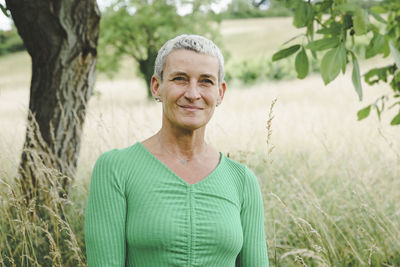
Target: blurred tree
{"x": 254, "y": 9}
{"x": 264, "y": 4}
{"x": 333, "y": 26}
{"x": 10, "y": 42}
{"x": 138, "y": 28}
{"x": 61, "y": 38}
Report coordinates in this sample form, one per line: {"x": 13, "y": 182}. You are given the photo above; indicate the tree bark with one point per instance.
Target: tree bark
{"x": 146, "y": 67}
{"x": 61, "y": 38}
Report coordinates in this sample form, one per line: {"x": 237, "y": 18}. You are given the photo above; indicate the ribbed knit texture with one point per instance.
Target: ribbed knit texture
{"x": 140, "y": 213}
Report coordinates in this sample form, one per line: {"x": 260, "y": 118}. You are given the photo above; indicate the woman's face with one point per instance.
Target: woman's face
{"x": 189, "y": 89}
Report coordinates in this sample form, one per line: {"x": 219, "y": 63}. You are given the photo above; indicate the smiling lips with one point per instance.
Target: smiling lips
{"x": 190, "y": 107}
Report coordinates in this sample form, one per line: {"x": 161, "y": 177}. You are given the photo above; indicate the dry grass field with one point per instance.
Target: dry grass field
{"x": 330, "y": 183}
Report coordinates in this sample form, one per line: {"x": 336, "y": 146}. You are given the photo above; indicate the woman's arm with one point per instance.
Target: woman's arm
{"x": 105, "y": 215}
{"x": 254, "y": 250}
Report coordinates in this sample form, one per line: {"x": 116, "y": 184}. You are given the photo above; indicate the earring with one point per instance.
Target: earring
{"x": 157, "y": 99}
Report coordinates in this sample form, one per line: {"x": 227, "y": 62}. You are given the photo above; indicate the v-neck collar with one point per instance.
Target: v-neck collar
{"x": 221, "y": 158}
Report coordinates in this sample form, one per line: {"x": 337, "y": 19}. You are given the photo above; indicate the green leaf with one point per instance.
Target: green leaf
{"x": 378, "y": 9}
{"x": 360, "y": 21}
{"x": 4, "y": 10}
{"x": 379, "y": 74}
{"x": 375, "y": 46}
{"x": 285, "y": 52}
{"x": 332, "y": 62}
{"x": 303, "y": 15}
{"x": 301, "y": 64}
{"x": 360, "y": 16}
{"x": 396, "y": 120}
{"x": 343, "y": 59}
{"x": 347, "y": 21}
{"x": 378, "y": 17}
{"x": 323, "y": 44}
{"x": 293, "y": 38}
{"x": 386, "y": 48}
{"x": 395, "y": 53}
{"x": 356, "y": 78}
{"x": 334, "y": 29}
{"x": 363, "y": 113}
{"x": 348, "y": 7}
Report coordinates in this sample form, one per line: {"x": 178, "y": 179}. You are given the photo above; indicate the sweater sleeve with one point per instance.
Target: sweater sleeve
{"x": 105, "y": 215}
{"x": 254, "y": 250}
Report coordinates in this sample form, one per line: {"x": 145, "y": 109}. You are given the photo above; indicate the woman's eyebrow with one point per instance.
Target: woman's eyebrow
{"x": 181, "y": 73}
{"x": 177, "y": 73}
{"x": 210, "y": 76}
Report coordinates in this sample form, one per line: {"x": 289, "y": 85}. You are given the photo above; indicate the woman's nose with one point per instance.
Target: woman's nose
{"x": 192, "y": 92}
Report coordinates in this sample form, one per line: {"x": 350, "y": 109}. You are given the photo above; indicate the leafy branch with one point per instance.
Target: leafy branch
{"x": 336, "y": 24}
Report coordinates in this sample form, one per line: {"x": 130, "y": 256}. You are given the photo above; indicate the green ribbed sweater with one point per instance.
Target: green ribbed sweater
{"x": 140, "y": 213}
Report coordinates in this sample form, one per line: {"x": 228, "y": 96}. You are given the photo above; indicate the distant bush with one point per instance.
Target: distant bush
{"x": 10, "y": 42}
{"x": 251, "y": 71}
{"x": 277, "y": 72}
{"x": 261, "y": 69}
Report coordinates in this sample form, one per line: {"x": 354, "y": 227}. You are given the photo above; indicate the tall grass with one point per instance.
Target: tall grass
{"x": 330, "y": 184}
{"x": 327, "y": 212}
{"x": 46, "y": 230}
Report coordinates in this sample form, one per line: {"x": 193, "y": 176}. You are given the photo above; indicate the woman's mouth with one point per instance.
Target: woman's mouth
{"x": 191, "y": 107}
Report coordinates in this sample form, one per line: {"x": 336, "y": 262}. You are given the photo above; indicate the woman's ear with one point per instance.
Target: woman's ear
{"x": 221, "y": 92}
{"x": 155, "y": 86}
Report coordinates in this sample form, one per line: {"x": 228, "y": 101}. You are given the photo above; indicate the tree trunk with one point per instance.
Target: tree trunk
{"x": 61, "y": 38}
{"x": 146, "y": 67}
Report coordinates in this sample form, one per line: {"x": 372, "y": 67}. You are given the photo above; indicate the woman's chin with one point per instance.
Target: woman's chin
{"x": 192, "y": 123}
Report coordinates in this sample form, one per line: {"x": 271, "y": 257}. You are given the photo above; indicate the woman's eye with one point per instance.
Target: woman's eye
{"x": 208, "y": 81}
{"x": 178, "y": 79}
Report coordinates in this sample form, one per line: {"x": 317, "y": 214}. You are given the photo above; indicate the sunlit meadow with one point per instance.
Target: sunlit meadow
{"x": 331, "y": 184}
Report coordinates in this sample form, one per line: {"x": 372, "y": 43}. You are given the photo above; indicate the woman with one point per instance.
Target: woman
{"x": 173, "y": 200}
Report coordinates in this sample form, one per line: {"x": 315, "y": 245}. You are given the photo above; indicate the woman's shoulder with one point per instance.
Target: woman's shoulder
{"x": 120, "y": 155}
{"x": 234, "y": 164}
{"x": 239, "y": 169}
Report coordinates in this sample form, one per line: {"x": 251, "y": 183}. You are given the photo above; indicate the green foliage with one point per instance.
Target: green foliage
{"x": 303, "y": 14}
{"x": 363, "y": 113}
{"x": 301, "y": 64}
{"x": 375, "y": 46}
{"x": 355, "y": 77}
{"x": 396, "y": 54}
{"x": 251, "y": 71}
{"x": 261, "y": 69}
{"x": 333, "y": 61}
{"x": 4, "y": 10}
{"x": 323, "y": 44}
{"x": 396, "y": 120}
{"x": 139, "y": 28}
{"x": 10, "y": 42}
{"x": 336, "y": 26}
{"x": 285, "y": 52}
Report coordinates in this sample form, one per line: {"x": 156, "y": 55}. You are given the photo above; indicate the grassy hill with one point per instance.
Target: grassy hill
{"x": 258, "y": 37}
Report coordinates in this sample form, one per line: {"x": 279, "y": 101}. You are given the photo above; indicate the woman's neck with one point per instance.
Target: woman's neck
{"x": 183, "y": 143}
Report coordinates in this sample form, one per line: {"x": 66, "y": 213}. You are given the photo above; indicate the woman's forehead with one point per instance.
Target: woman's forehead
{"x": 191, "y": 62}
